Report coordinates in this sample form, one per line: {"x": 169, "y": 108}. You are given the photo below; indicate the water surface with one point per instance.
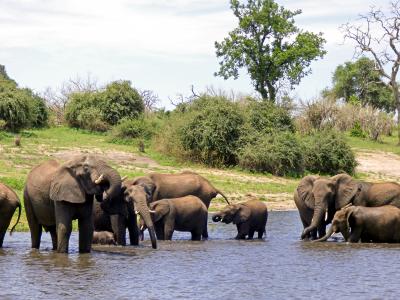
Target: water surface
{"x": 279, "y": 267}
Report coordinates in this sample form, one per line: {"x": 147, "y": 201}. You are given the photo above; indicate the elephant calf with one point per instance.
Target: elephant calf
{"x": 249, "y": 217}
{"x": 370, "y": 224}
{"x": 103, "y": 238}
{"x": 9, "y": 202}
{"x": 183, "y": 214}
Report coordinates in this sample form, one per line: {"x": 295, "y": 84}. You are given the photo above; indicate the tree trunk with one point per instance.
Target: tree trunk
{"x": 395, "y": 89}
{"x": 271, "y": 92}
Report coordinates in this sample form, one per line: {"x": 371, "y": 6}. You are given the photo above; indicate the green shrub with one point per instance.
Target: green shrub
{"x": 39, "y": 111}
{"x": 357, "y": 131}
{"x": 90, "y": 118}
{"x": 132, "y": 129}
{"x": 81, "y": 103}
{"x": 119, "y": 101}
{"x": 15, "y": 109}
{"x": 267, "y": 117}
{"x": 211, "y": 131}
{"x": 327, "y": 152}
{"x": 278, "y": 153}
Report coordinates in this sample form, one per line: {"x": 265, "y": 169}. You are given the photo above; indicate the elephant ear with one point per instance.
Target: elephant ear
{"x": 304, "y": 190}
{"x": 64, "y": 187}
{"x": 346, "y": 189}
{"x": 242, "y": 215}
{"x": 162, "y": 208}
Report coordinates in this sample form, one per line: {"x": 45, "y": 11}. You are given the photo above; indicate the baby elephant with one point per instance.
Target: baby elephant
{"x": 103, "y": 238}
{"x": 248, "y": 216}
{"x": 187, "y": 213}
{"x": 370, "y": 224}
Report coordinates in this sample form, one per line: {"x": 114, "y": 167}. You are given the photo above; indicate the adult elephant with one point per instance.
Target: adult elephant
{"x": 9, "y": 202}
{"x": 120, "y": 214}
{"x": 55, "y": 194}
{"x": 315, "y": 196}
{"x": 167, "y": 186}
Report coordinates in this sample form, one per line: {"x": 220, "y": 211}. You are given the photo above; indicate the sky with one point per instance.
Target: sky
{"x": 161, "y": 45}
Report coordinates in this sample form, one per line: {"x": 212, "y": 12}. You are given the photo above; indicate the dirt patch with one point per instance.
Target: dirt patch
{"x": 117, "y": 157}
{"x": 379, "y": 165}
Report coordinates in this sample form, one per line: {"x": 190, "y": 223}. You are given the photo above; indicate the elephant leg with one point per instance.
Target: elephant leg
{"x": 241, "y": 232}
{"x": 159, "y": 231}
{"x": 53, "y": 233}
{"x": 260, "y": 233}
{"x": 34, "y": 226}
{"x": 168, "y": 232}
{"x": 205, "y": 232}
{"x": 63, "y": 225}
{"x": 118, "y": 225}
{"x": 133, "y": 230}
{"x": 251, "y": 234}
{"x": 86, "y": 228}
{"x": 322, "y": 231}
{"x": 355, "y": 234}
{"x": 196, "y": 235}
{"x": 2, "y": 234}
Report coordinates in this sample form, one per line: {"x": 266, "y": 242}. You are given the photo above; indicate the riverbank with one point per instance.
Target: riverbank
{"x": 64, "y": 143}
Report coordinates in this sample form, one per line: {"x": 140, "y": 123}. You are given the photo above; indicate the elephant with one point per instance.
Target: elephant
{"x": 316, "y": 196}
{"x": 120, "y": 214}
{"x": 249, "y": 217}
{"x": 103, "y": 238}
{"x": 187, "y": 214}
{"x": 9, "y": 202}
{"x": 368, "y": 224}
{"x": 55, "y": 194}
{"x": 167, "y": 186}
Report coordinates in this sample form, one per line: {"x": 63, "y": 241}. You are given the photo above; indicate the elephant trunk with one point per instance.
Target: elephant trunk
{"x": 326, "y": 236}
{"x": 114, "y": 181}
{"x": 145, "y": 215}
{"x": 317, "y": 220}
{"x": 19, "y": 215}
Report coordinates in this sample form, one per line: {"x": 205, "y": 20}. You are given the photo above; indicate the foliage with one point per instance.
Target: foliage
{"x": 128, "y": 129}
{"x": 278, "y": 153}
{"x": 103, "y": 108}
{"x": 327, "y": 152}
{"x": 359, "y": 81}
{"x": 119, "y": 100}
{"x": 20, "y": 108}
{"x": 357, "y": 131}
{"x": 212, "y": 131}
{"x": 269, "y": 45}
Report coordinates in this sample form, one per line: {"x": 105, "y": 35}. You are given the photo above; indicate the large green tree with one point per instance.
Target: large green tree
{"x": 360, "y": 80}
{"x": 269, "y": 45}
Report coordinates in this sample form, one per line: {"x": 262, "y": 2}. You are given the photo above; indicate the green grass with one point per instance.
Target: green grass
{"x": 37, "y": 145}
{"x": 388, "y": 144}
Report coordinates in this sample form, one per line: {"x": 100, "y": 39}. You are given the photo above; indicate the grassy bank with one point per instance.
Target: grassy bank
{"x": 62, "y": 143}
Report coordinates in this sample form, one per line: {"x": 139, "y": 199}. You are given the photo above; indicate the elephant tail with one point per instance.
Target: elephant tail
{"x": 19, "y": 215}
{"x": 222, "y": 194}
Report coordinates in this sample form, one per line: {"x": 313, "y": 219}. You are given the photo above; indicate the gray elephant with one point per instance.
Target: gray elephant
{"x": 249, "y": 217}
{"x": 120, "y": 214}
{"x": 167, "y": 186}
{"x": 316, "y": 197}
{"x": 55, "y": 194}
{"x": 368, "y": 224}
{"x": 9, "y": 202}
{"x": 187, "y": 214}
{"x": 103, "y": 238}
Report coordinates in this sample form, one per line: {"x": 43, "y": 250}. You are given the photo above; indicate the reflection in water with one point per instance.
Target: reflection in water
{"x": 281, "y": 266}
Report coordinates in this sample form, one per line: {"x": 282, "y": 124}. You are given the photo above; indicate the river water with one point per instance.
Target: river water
{"x": 279, "y": 267}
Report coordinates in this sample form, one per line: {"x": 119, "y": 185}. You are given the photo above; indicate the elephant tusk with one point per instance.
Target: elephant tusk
{"x": 152, "y": 211}
{"x": 136, "y": 212}
{"x": 142, "y": 228}
{"x": 100, "y": 179}
{"x": 123, "y": 178}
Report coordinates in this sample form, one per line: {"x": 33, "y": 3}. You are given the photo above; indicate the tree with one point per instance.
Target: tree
{"x": 269, "y": 45}
{"x": 379, "y": 36}
{"x": 361, "y": 81}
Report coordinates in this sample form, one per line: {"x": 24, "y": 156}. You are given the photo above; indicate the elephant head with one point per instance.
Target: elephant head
{"x": 325, "y": 194}
{"x": 340, "y": 223}
{"x": 236, "y": 213}
{"x": 85, "y": 176}
{"x": 137, "y": 199}
{"x": 148, "y": 185}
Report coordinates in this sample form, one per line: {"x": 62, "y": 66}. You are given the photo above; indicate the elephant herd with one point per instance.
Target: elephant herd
{"x": 359, "y": 210}
{"x": 87, "y": 189}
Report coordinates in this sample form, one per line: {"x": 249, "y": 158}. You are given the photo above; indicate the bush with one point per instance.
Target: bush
{"x": 327, "y": 152}
{"x": 267, "y": 117}
{"x": 119, "y": 101}
{"x": 90, "y": 118}
{"x": 132, "y": 129}
{"x": 212, "y": 130}
{"x": 39, "y": 114}
{"x": 357, "y": 131}
{"x": 278, "y": 153}
{"x": 81, "y": 103}
{"x": 15, "y": 109}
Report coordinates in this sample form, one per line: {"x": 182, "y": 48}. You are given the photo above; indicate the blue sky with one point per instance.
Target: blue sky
{"x": 162, "y": 45}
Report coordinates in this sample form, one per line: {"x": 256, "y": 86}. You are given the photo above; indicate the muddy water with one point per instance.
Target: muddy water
{"x": 280, "y": 267}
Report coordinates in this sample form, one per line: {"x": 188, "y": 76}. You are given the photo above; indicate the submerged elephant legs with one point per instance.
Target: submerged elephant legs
{"x": 66, "y": 212}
